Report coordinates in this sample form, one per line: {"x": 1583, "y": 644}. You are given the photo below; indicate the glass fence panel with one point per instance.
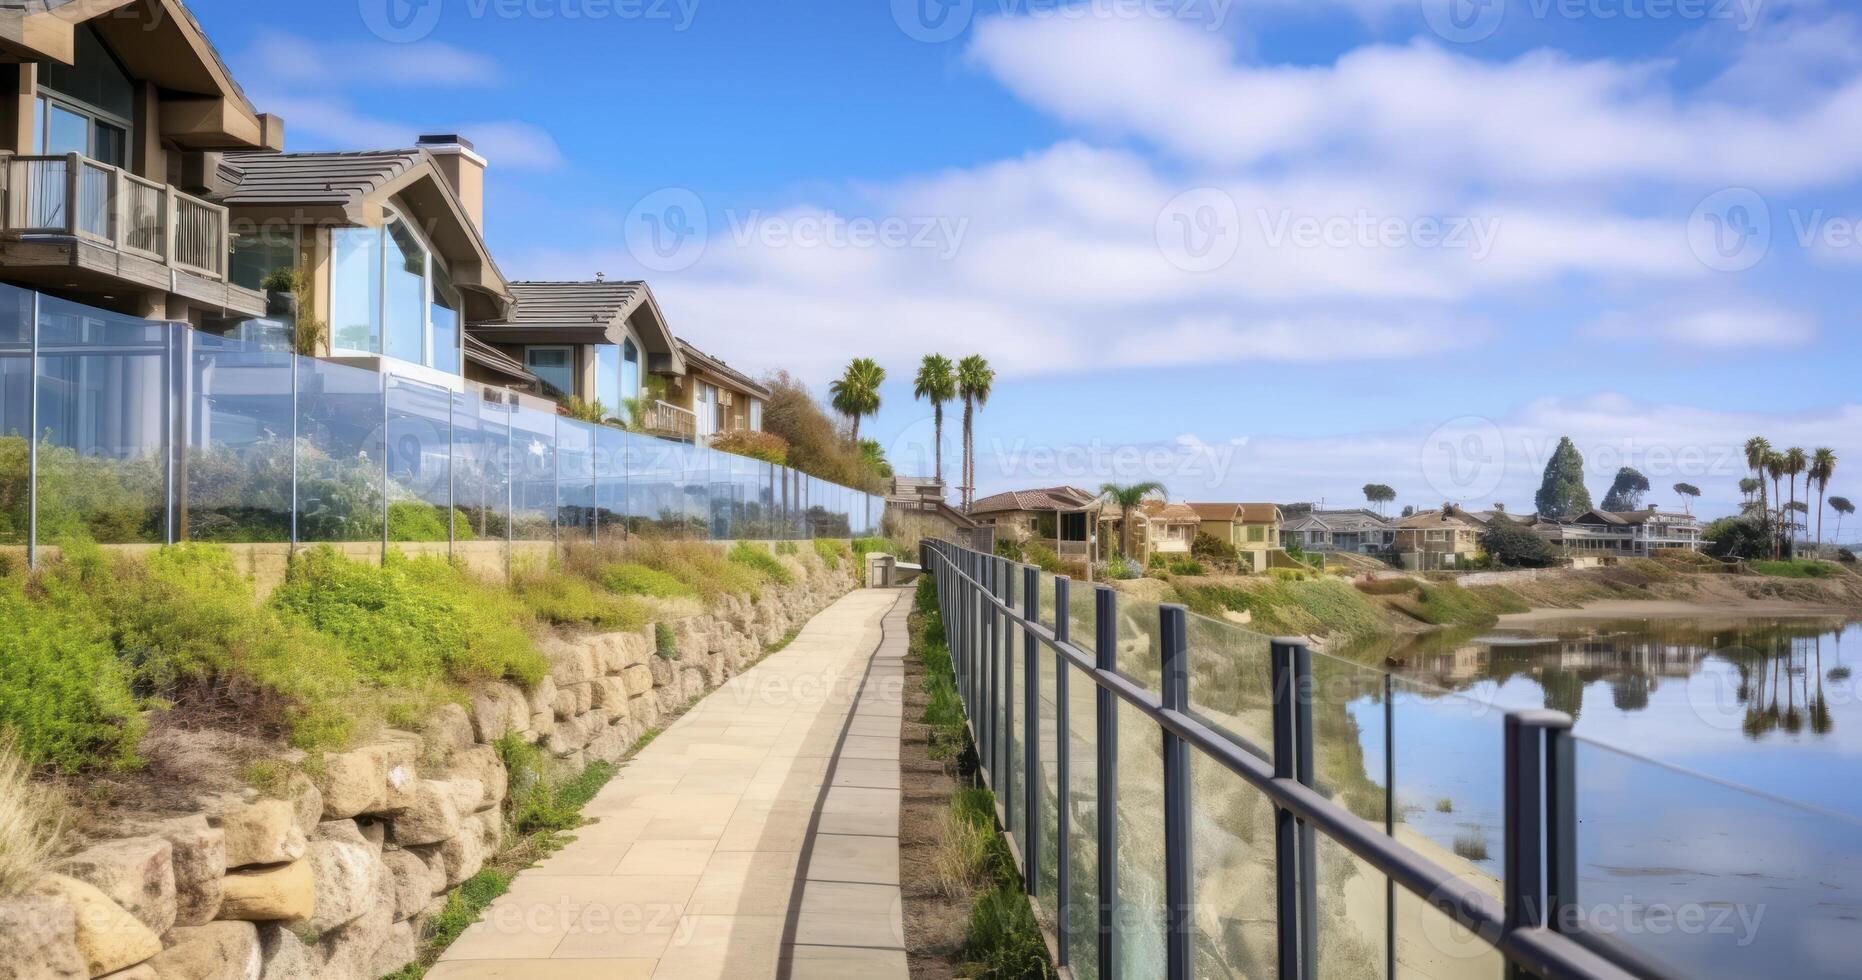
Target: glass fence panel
{"x": 1014, "y": 707}
{"x": 481, "y": 477}
{"x": 103, "y": 383}
{"x": 1710, "y": 879}
{"x": 575, "y": 468}
{"x": 1234, "y": 923}
{"x": 340, "y": 453}
{"x": 420, "y": 466}
{"x": 16, "y": 367}
{"x": 1353, "y": 898}
{"x": 1232, "y": 681}
{"x": 1142, "y": 904}
{"x": 235, "y": 478}
{"x": 1140, "y": 654}
{"x": 1082, "y": 896}
{"x": 612, "y": 472}
{"x": 655, "y": 488}
{"x": 694, "y": 503}
{"x": 1432, "y": 946}
{"x": 1448, "y": 795}
{"x": 534, "y": 507}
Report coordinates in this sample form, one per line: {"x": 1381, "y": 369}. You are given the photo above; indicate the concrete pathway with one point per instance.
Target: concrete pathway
{"x": 757, "y": 837}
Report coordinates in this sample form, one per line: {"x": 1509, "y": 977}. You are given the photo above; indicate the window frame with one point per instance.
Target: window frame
{"x": 390, "y": 216}
{"x": 568, "y": 349}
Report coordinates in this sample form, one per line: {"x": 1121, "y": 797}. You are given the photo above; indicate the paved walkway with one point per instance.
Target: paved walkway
{"x": 716, "y": 852}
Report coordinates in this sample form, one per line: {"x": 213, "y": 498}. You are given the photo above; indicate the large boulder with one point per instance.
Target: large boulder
{"x": 400, "y": 755}
{"x": 39, "y": 934}
{"x": 216, "y": 951}
{"x": 199, "y": 851}
{"x": 137, "y": 874}
{"x": 541, "y": 700}
{"x": 399, "y": 947}
{"x": 635, "y": 649}
{"x": 571, "y": 662}
{"x": 415, "y": 881}
{"x": 285, "y": 955}
{"x": 449, "y": 729}
{"x": 282, "y": 893}
{"x": 499, "y": 709}
{"x": 639, "y": 679}
{"x": 464, "y": 856}
{"x": 348, "y": 952}
{"x": 352, "y": 783}
{"x": 306, "y": 799}
{"x": 265, "y": 832}
{"x": 346, "y": 874}
{"x": 481, "y": 762}
{"x": 431, "y": 816}
{"x": 107, "y": 938}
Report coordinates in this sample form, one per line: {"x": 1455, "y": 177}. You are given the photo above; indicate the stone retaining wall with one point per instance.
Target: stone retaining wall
{"x": 339, "y": 879}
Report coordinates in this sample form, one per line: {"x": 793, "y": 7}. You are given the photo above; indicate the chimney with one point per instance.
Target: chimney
{"x": 463, "y": 168}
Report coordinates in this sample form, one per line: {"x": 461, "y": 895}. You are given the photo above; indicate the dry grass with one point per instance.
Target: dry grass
{"x": 29, "y": 822}
{"x": 965, "y": 832}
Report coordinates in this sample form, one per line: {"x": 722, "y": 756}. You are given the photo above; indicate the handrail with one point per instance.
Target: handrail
{"x": 1516, "y": 929}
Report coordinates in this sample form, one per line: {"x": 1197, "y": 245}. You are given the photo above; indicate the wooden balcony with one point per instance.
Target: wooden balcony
{"x": 672, "y": 422}
{"x": 114, "y": 230}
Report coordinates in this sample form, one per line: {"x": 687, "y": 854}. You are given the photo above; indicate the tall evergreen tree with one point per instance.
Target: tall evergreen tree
{"x": 1562, "y": 495}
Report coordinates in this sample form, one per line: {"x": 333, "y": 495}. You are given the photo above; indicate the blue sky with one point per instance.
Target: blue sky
{"x": 1263, "y": 251}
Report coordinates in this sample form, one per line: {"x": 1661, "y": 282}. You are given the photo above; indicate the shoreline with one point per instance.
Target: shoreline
{"x": 1618, "y": 609}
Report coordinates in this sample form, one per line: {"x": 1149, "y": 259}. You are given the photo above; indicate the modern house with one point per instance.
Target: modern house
{"x": 1638, "y": 533}
{"x": 1254, "y": 530}
{"x": 721, "y": 399}
{"x": 114, "y": 118}
{"x": 1435, "y": 539}
{"x": 1357, "y": 531}
{"x": 595, "y": 341}
{"x": 1065, "y": 519}
{"x": 386, "y": 248}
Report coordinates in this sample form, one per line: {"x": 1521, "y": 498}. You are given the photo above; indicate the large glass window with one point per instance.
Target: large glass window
{"x": 260, "y": 253}
{"x": 608, "y": 378}
{"x": 355, "y": 290}
{"x": 87, "y": 105}
{"x": 447, "y": 315}
{"x": 405, "y": 295}
{"x": 554, "y": 365}
{"x": 630, "y": 371}
{"x": 756, "y": 415}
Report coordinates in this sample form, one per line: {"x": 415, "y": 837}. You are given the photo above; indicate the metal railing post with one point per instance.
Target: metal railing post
{"x": 1063, "y": 775}
{"x": 1031, "y": 730}
{"x": 1105, "y": 651}
{"x": 1525, "y": 862}
{"x": 1561, "y": 818}
{"x": 1291, "y": 686}
{"x": 1005, "y": 736}
{"x": 1309, "y": 865}
{"x": 32, "y": 445}
{"x": 1178, "y": 862}
{"x": 1390, "y": 897}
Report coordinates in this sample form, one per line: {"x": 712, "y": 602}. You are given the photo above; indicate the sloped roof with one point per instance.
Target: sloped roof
{"x": 1438, "y": 520}
{"x": 1245, "y": 513}
{"x": 1049, "y": 498}
{"x": 336, "y": 179}
{"x": 586, "y": 312}
{"x": 489, "y": 357}
{"x": 1165, "y": 512}
{"x": 718, "y": 367}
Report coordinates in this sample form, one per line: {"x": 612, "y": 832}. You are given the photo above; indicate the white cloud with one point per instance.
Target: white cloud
{"x": 1541, "y": 118}
{"x": 320, "y": 123}
{"x": 287, "y": 58}
{"x": 1717, "y": 327}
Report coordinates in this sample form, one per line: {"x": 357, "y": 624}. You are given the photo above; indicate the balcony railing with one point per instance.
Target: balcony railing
{"x": 74, "y": 196}
{"x": 672, "y": 422}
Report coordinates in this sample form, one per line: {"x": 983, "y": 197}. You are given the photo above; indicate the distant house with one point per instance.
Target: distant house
{"x": 1065, "y": 519}
{"x": 1357, "y": 530}
{"x": 1432, "y": 539}
{"x": 1254, "y": 529}
{"x": 1169, "y": 529}
{"x": 1638, "y": 533}
{"x": 721, "y": 398}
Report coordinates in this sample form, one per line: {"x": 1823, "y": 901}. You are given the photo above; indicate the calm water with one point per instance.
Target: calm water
{"x": 1767, "y": 704}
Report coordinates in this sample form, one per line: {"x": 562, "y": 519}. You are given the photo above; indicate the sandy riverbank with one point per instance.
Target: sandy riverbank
{"x": 1617, "y": 609}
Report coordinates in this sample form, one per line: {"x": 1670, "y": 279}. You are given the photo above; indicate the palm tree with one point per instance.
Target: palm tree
{"x": 1822, "y": 468}
{"x": 1842, "y": 507}
{"x": 1129, "y": 499}
{"x": 856, "y": 393}
{"x": 936, "y": 383}
{"x": 975, "y": 381}
{"x": 1758, "y": 450}
{"x": 1774, "y": 468}
{"x": 1796, "y": 461}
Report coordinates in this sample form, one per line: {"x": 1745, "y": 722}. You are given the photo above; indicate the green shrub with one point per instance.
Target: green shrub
{"x": 412, "y": 620}
{"x": 1187, "y": 568}
{"x": 1388, "y": 586}
{"x": 700, "y": 568}
{"x": 1800, "y": 568}
{"x": 1046, "y": 559}
{"x": 831, "y": 551}
{"x": 665, "y": 643}
{"x": 1286, "y": 607}
{"x": 570, "y": 600}
{"x": 1010, "y": 549}
{"x": 631, "y": 579}
{"x": 413, "y": 520}
{"x": 62, "y": 689}
{"x": 1448, "y": 604}
{"x": 884, "y": 546}
{"x": 762, "y": 562}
